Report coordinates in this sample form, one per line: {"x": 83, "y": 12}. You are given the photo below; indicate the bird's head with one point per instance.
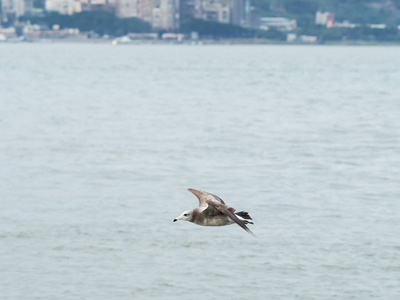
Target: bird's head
{"x": 185, "y": 216}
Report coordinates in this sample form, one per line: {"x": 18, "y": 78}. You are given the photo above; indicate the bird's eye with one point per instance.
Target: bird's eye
{"x": 185, "y": 215}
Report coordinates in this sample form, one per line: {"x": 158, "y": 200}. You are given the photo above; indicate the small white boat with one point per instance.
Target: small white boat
{"x": 121, "y": 40}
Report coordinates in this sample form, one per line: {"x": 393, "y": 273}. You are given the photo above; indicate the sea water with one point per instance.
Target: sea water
{"x": 99, "y": 143}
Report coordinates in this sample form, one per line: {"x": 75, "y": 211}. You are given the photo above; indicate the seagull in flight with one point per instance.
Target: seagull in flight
{"x": 213, "y": 211}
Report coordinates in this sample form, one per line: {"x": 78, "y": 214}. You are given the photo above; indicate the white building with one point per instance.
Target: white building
{"x": 346, "y": 24}
{"x": 324, "y": 18}
{"x": 15, "y": 7}
{"x": 64, "y": 7}
{"x": 377, "y": 26}
{"x": 308, "y": 38}
{"x": 69, "y": 7}
{"x": 282, "y": 24}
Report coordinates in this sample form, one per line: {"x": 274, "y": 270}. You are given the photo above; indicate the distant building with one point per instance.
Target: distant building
{"x": 325, "y": 18}
{"x": 145, "y": 10}
{"x": 291, "y": 37}
{"x": 238, "y": 16}
{"x": 99, "y": 5}
{"x": 69, "y": 7}
{"x": 126, "y": 8}
{"x": 377, "y": 26}
{"x": 166, "y": 15}
{"x": 170, "y": 14}
{"x": 216, "y": 11}
{"x": 252, "y": 18}
{"x": 9, "y": 32}
{"x": 64, "y": 7}
{"x": 346, "y": 24}
{"x": 15, "y": 8}
{"x": 142, "y": 36}
{"x": 308, "y": 38}
{"x": 282, "y": 24}
{"x": 222, "y": 11}
{"x": 187, "y": 10}
{"x": 161, "y": 14}
{"x": 172, "y": 36}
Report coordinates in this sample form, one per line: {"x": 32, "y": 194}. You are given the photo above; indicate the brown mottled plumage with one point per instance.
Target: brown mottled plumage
{"x": 213, "y": 211}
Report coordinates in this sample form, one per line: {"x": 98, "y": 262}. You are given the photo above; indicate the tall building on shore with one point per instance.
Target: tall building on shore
{"x": 217, "y": 11}
{"x": 145, "y": 10}
{"x": 166, "y": 15}
{"x": 238, "y": 12}
{"x": 15, "y": 8}
{"x": 161, "y": 14}
{"x": 126, "y": 8}
{"x": 187, "y": 10}
{"x": 223, "y": 11}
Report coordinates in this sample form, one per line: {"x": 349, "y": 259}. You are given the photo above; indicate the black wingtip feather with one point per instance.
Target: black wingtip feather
{"x": 244, "y": 215}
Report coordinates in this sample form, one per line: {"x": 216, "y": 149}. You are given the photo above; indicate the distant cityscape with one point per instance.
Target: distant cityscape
{"x": 168, "y": 19}
{"x": 161, "y": 14}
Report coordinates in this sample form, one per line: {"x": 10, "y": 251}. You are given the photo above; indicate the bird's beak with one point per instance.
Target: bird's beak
{"x": 177, "y": 218}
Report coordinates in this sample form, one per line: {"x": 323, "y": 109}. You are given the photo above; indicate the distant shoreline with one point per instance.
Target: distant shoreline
{"x": 226, "y": 42}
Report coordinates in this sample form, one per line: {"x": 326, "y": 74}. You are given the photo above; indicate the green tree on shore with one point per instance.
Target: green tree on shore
{"x": 98, "y": 21}
{"x": 215, "y": 29}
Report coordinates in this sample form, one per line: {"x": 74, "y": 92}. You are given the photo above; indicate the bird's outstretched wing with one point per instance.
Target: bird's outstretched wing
{"x": 205, "y": 197}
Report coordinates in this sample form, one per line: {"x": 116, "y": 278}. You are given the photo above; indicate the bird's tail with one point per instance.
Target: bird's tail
{"x": 244, "y": 216}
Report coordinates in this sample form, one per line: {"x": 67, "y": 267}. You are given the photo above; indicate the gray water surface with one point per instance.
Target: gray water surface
{"x": 99, "y": 143}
